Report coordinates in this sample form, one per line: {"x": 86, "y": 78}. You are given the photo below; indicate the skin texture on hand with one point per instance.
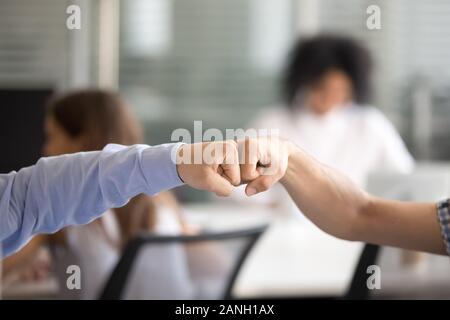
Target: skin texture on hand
{"x": 219, "y": 166}
{"x": 210, "y": 166}
{"x": 337, "y": 206}
{"x": 263, "y": 163}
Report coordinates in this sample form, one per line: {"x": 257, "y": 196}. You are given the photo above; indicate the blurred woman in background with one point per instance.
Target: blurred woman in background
{"x": 326, "y": 88}
{"x": 87, "y": 121}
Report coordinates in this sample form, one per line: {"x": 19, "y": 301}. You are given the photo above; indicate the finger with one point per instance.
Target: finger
{"x": 218, "y": 184}
{"x": 232, "y": 173}
{"x": 260, "y": 184}
{"x": 248, "y": 160}
{"x": 269, "y": 173}
{"x": 269, "y": 165}
{"x": 230, "y": 167}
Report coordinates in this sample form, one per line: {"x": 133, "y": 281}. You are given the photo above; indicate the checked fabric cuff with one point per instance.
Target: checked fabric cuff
{"x": 443, "y": 212}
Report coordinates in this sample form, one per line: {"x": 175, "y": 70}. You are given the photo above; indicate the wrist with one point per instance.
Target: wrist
{"x": 177, "y": 156}
{"x": 294, "y": 155}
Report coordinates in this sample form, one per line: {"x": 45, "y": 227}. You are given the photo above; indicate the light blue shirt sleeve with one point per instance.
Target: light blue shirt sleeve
{"x": 77, "y": 188}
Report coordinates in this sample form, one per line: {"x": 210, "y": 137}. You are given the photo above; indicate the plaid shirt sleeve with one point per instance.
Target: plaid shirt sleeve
{"x": 443, "y": 211}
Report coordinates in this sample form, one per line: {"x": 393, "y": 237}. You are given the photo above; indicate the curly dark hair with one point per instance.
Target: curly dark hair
{"x": 311, "y": 59}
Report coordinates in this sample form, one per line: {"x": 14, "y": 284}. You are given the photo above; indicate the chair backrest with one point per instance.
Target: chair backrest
{"x": 358, "y": 289}
{"x": 203, "y": 266}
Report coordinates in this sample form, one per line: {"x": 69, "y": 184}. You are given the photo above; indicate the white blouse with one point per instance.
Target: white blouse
{"x": 355, "y": 140}
{"x": 88, "y": 248}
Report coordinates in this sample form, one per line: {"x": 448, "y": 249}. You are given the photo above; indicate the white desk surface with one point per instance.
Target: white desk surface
{"x": 45, "y": 289}
{"x": 293, "y": 258}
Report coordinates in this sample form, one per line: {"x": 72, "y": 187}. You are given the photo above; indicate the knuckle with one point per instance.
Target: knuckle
{"x": 237, "y": 181}
{"x": 231, "y": 142}
{"x": 247, "y": 174}
{"x": 208, "y": 179}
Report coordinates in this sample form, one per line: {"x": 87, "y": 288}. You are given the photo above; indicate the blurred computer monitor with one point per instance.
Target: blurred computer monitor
{"x": 21, "y": 126}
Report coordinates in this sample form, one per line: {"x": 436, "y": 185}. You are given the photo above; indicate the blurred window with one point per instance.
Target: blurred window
{"x": 211, "y": 60}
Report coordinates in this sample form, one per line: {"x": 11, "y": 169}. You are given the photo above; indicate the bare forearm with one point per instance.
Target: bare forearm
{"x": 339, "y": 207}
{"x": 327, "y": 198}
{"x": 406, "y": 225}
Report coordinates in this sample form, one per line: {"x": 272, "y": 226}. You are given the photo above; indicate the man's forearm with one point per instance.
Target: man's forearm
{"x": 74, "y": 189}
{"x": 406, "y": 225}
{"x": 339, "y": 207}
{"x": 326, "y": 197}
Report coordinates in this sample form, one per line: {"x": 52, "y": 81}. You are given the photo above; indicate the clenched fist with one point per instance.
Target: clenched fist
{"x": 219, "y": 166}
{"x": 210, "y": 166}
{"x": 263, "y": 162}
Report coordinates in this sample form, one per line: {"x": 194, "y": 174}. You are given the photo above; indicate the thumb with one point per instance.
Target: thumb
{"x": 260, "y": 184}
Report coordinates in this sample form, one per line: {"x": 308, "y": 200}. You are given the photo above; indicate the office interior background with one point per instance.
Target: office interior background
{"x": 177, "y": 61}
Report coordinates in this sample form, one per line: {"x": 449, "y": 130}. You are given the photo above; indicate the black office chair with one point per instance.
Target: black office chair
{"x": 358, "y": 287}
{"x": 203, "y": 266}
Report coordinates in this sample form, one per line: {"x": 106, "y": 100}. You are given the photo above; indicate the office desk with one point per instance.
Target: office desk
{"x": 45, "y": 289}
{"x": 293, "y": 259}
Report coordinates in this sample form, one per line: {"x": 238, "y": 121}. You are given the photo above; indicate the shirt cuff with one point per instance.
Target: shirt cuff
{"x": 443, "y": 212}
{"x": 159, "y": 167}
